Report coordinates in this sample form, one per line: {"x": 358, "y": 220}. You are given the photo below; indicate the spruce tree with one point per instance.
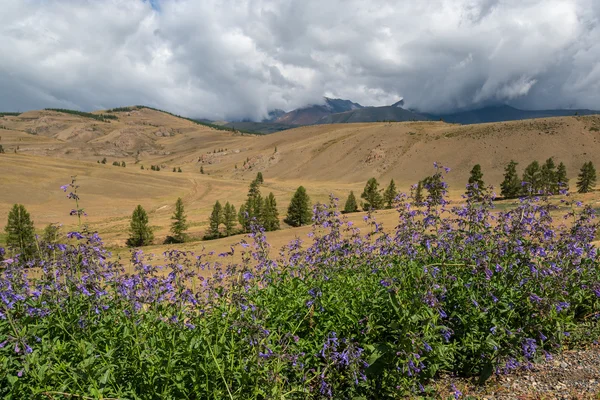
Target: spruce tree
{"x": 511, "y": 186}
{"x": 179, "y": 169}
{"x": 562, "y": 182}
{"x": 476, "y": 186}
{"x": 299, "y": 212}
{"x": 216, "y": 218}
{"x": 19, "y": 230}
{"x": 51, "y": 233}
{"x": 351, "y": 205}
{"x": 532, "y": 178}
{"x": 371, "y": 194}
{"x": 103, "y": 160}
{"x": 587, "y": 178}
{"x": 390, "y": 194}
{"x": 253, "y": 207}
{"x": 549, "y": 184}
{"x": 174, "y": 169}
{"x": 123, "y": 164}
{"x": 229, "y": 219}
{"x": 243, "y": 217}
{"x": 270, "y": 215}
{"x": 435, "y": 188}
{"x": 259, "y": 178}
{"x": 179, "y": 224}
{"x": 418, "y": 194}
{"x": 140, "y": 233}
{"x": 1, "y": 149}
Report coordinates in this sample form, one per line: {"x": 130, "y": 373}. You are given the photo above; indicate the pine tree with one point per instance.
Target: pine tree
{"x": 243, "y": 217}
{"x": 548, "y": 181}
{"x": 229, "y": 219}
{"x": 418, "y": 194}
{"x": 270, "y": 215}
{"x": 142, "y": 167}
{"x": 476, "y": 186}
{"x": 532, "y": 178}
{"x": 51, "y": 233}
{"x": 140, "y": 233}
{"x": 562, "y": 182}
{"x": 179, "y": 224}
{"x": 123, "y": 164}
{"x": 1, "y": 149}
{"x": 435, "y": 188}
{"x": 587, "y": 178}
{"x": 351, "y": 204}
{"x": 179, "y": 169}
{"x": 299, "y": 212}
{"x": 216, "y": 218}
{"x": 174, "y": 169}
{"x": 202, "y": 169}
{"x": 390, "y": 194}
{"x": 253, "y": 207}
{"x": 259, "y": 178}
{"x": 511, "y": 186}
{"x": 103, "y": 160}
{"x": 19, "y": 230}
{"x": 371, "y": 195}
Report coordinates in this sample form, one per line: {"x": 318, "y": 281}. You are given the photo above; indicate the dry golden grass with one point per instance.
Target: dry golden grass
{"x": 325, "y": 159}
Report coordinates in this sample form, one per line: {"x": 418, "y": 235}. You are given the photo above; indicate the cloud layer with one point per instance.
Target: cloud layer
{"x": 241, "y": 58}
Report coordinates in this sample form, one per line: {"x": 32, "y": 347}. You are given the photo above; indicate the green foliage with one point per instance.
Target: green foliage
{"x": 120, "y": 109}
{"x": 435, "y": 188}
{"x": 351, "y": 205}
{"x": 123, "y": 164}
{"x": 549, "y": 183}
{"x": 270, "y": 215}
{"x": 202, "y": 170}
{"x": 20, "y": 235}
{"x": 562, "y": 180}
{"x": 97, "y": 117}
{"x": 372, "y": 196}
{"x": 229, "y": 219}
{"x": 299, "y": 212}
{"x": 116, "y": 163}
{"x": 259, "y": 178}
{"x": 587, "y": 178}
{"x": 179, "y": 169}
{"x": 532, "y": 179}
{"x": 390, "y": 194}
{"x": 253, "y": 208}
{"x": 216, "y": 218}
{"x": 140, "y": 233}
{"x": 511, "y": 186}
{"x": 476, "y": 186}
{"x": 179, "y": 224}
{"x": 9, "y": 114}
{"x": 418, "y": 194}
{"x": 174, "y": 169}
{"x": 51, "y": 234}
{"x": 103, "y": 160}
{"x": 1, "y": 149}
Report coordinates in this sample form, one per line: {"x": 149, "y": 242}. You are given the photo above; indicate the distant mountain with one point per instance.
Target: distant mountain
{"x": 313, "y": 113}
{"x": 273, "y": 115}
{"x": 374, "y": 114}
{"x": 503, "y": 113}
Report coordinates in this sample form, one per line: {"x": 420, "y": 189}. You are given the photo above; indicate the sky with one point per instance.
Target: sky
{"x": 232, "y": 59}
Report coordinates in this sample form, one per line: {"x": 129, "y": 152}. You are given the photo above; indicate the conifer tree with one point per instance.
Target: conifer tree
{"x": 299, "y": 212}
{"x": 174, "y": 169}
{"x": 140, "y": 233}
{"x": 511, "y": 186}
{"x": 372, "y": 196}
{"x": 202, "y": 169}
{"x": 216, "y": 218}
{"x": 259, "y": 178}
{"x": 562, "y": 182}
{"x": 270, "y": 217}
{"x": 19, "y": 230}
{"x": 51, "y": 233}
{"x": 253, "y": 208}
{"x": 123, "y": 164}
{"x": 179, "y": 169}
{"x": 587, "y": 178}
{"x": 103, "y": 160}
{"x": 548, "y": 181}
{"x": 1, "y": 149}
{"x": 243, "y": 217}
{"x": 390, "y": 194}
{"x": 418, "y": 194}
{"x": 229, "y": 218}
{"x": 532, "y": 178}
{"x": 435, "y": 188}
{"x": 476, "y": 186}
{"x": 351, "y": 204}
{"x": 179, "y": 224}
{"x": 142, "y": 167}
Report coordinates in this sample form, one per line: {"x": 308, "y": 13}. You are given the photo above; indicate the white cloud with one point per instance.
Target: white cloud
{"x": 240, "y": 58}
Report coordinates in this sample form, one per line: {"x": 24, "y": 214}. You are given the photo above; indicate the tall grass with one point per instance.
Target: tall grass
{"x": 349, "y": 314}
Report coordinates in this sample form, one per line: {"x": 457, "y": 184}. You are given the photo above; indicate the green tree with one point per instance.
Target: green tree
{"x": 179, "y": 224}
{"x": 351, "y": 204}
{"x": 123, "y": 164}
{"x": 259, "y": 178}
{"x": 435, "y": 188}
{"x": 243, "y": 217}
{"x": 253, "y": 208}
{"x": 371, "y": 195}
{"x": 1, "y": 149}
{"x": 142, "y": 167}
{"x": 103, "y": 160}
{"x": 587, "y": 178}
{"x": 270, "y": 215}
{"x": 562, "y": 182}
{"x": 179, "y": 169}
{"x": 390, "y": 194}
{"x": 511, "y": 186}
{"x": 532, "y": 178}
{"x": 299, "y": 212}
{"x": 19, "y": 230}
{"x": 174, "y": 169}
{"x": 229, "y": 219}
{"x": 418, "y": 194}
{"x": 140, "y": 233}
{"x": 216, "y": 218}
{"x": 548, "y": 181}
{"x": 202, "y": 170}
{"x": 476, "y": 186}
{"x": 51, "y": 233}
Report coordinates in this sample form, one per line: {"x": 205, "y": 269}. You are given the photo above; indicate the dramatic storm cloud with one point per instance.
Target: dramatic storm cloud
{"x": 241, "y": 58}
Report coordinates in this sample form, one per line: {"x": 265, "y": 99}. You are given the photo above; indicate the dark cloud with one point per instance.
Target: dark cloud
{"x": 241, "y": 58}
